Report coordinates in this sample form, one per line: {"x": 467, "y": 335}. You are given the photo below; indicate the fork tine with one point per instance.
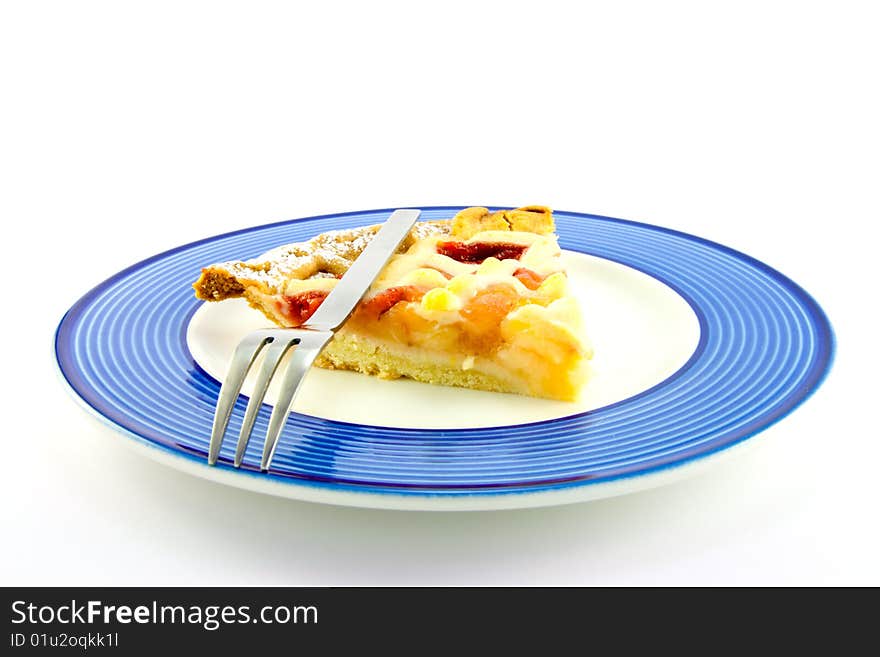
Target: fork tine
{"x": 274, "y": 353}
{"x": 307, "y": 350}
{"x": 242, "y": 359}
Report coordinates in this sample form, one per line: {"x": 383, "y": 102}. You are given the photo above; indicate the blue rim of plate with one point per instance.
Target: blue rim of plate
{"x": 765, "y": 346}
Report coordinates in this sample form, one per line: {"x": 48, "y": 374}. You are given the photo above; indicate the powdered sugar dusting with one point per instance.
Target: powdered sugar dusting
{"x": 328, "y": 254}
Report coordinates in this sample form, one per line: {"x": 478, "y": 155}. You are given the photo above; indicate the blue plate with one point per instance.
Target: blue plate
{"x": 764, "y": 346}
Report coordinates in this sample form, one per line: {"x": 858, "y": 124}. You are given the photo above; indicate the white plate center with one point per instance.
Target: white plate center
{"x": 642, "y": 332}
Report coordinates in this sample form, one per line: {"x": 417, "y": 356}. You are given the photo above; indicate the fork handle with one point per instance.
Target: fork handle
{"x": 310, "y": 344}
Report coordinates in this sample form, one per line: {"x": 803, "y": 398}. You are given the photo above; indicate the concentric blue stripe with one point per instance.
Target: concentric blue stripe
{"x": 765, "y": 345}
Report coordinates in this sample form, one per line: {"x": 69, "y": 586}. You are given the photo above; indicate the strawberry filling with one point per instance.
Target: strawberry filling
{"x": 387, "y": 299}
{"x": 298, "y": 308}
{"x": 477, "y": 252}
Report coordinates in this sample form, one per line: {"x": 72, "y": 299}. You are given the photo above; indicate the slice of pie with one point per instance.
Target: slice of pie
{"x": 479, "y": 301}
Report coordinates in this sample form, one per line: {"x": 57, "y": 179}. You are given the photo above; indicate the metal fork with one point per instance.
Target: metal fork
{"x": 307, "y": 342}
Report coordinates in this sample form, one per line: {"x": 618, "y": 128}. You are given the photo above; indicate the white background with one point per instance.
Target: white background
{"x": 130, "y": 128}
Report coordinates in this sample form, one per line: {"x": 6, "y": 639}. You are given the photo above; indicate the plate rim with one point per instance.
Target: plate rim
{"x": 583, "y": 488}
